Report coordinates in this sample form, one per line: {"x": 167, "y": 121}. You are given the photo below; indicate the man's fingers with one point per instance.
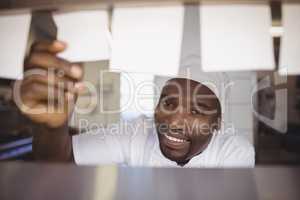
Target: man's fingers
{"x": 52, "y": 80}
{"x": 48, "y": 61}
{"x": 39, "y": 89}
{"x": 64, "y": 83}
{"x": 42, "y": 92}
{"x": 49, "y": 46}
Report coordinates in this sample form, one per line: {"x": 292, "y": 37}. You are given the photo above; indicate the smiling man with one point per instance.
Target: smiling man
{"x": 186, "y": 130}
{"x": 186, "y": 119}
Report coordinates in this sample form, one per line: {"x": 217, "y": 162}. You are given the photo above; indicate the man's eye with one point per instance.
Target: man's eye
{"x": 197, "y": 112}
{"x": 167, "y": 103}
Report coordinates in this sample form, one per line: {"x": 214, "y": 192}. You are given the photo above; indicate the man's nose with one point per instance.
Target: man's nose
{"x": 177, "y": 120}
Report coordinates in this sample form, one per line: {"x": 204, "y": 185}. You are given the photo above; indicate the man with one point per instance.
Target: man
{"x": 186, "y": 130}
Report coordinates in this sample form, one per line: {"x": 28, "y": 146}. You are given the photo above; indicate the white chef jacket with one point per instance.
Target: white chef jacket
{"x": 136, "y": 143}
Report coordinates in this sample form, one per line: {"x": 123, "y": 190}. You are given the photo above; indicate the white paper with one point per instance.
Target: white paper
{"x": 147, "y": 39}
{"x": 86, "y": 34}
{"x": 236, "y": 37}
{"x": 290, "y": 46}
{"x": 13, "y": 34}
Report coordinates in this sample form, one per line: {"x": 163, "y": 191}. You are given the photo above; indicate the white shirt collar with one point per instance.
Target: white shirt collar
{"x": 159, "y": 160}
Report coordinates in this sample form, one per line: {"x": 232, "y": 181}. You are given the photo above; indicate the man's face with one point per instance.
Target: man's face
{"x": 185, "y": 117}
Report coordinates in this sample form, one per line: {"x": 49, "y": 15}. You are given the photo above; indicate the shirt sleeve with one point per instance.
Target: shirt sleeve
{"x": 241, "y": 154}
{"x": 101, "y": 146}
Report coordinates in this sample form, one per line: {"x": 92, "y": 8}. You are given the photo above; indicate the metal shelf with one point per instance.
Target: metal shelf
{"x": 9, "y": 5}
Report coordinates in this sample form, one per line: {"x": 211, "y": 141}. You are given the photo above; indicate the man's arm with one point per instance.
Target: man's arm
{"x": 47, "y": 96}
{"x": 52, "y": 144}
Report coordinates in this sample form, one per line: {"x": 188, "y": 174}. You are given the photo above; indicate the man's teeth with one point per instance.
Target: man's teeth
{"x": 174, "y": 139}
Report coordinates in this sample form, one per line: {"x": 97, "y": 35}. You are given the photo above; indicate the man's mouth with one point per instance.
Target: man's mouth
{"x": 174, "y": 139}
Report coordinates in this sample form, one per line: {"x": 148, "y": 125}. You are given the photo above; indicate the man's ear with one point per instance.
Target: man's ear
{"x": 217, "y": 121}
{"x": 219, "y": 117}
